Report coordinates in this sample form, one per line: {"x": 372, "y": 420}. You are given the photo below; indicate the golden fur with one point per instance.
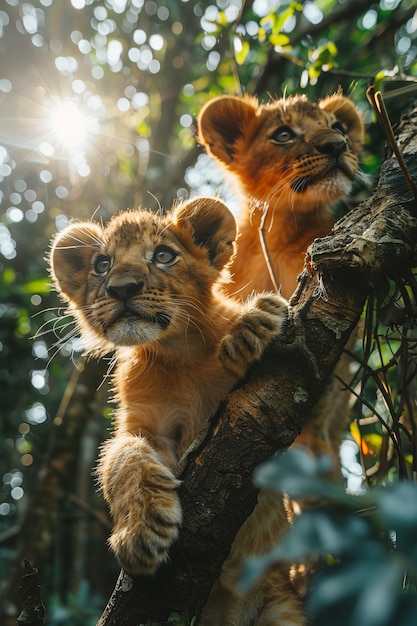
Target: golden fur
{"x": 150, "y": 288}
{"x": 290, "y": 158}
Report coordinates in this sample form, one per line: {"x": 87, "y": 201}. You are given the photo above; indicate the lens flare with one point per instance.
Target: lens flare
{"x": 69, "y": 125}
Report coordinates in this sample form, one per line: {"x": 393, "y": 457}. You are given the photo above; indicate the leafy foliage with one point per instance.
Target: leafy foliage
{"x": 363, "y": 546}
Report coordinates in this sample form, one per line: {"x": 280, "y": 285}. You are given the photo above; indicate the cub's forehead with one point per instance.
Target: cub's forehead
{"x": 132, "y": 227}
{"x": 294, "y": 112}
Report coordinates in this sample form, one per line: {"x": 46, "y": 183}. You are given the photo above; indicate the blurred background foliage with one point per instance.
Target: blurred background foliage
{"x": 97, "y": 114}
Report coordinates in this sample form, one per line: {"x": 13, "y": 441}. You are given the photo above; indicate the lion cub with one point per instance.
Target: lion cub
{"x": 290, "y": 159}
{"x": 150, "y": 288}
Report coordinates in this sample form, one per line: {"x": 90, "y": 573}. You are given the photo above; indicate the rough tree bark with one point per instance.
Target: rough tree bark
{"x": 33, "y": 611}
{"x": 266, "y": 413}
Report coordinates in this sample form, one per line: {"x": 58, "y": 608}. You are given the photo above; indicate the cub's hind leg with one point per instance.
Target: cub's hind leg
{"x": 282, "y": 605}
{"x": 261, "y": 320}
{"x": 271, "y": 602}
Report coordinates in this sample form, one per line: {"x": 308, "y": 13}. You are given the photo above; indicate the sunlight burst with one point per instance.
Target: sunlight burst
{"x": 70, "y": 125}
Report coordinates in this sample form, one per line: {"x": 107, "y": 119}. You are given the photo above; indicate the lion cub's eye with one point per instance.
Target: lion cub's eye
{"x": 283, "y": 134}
{"x": 164, "y": 255}
{"x": 102, "y": 264}
{"x": 338, "y": 127}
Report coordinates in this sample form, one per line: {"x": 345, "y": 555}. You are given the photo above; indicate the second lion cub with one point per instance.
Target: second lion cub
{"x": 291, "y": 159}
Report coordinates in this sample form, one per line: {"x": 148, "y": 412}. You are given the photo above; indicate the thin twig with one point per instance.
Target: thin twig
{"x": 377, "y": 102}
{"x": 265, "y": 250}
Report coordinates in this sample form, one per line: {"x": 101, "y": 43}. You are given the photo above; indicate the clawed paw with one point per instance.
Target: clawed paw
{"x": 259, "y": 324}
{"x": 142, "y": 536}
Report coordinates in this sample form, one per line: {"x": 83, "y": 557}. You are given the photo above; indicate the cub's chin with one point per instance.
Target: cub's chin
{"x": 329, "y": 188}
{"x": 133, "y": 331}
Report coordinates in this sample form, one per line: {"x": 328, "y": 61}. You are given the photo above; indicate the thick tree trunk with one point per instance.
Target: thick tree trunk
{"x": 267, "y": 412}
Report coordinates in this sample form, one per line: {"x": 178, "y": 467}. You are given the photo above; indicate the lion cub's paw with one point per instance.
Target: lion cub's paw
{"x": 147, "y": 522}
{"x": 261, "y": 321}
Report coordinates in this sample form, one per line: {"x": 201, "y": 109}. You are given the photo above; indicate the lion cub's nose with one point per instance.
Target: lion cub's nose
{"x": 124, "y": 292}
{"x": 333, "y": 148}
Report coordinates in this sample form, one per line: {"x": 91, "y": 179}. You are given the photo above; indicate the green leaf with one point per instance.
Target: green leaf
{"x": 317, "y": 533}
{"x": 261, "y": 34}
{"x": 406, "y": 612}
{"x": 322, "y": 56}
{"x": 381, "y": 358}
{"x": 378, "y": 595}
{"x": 222, "y": 19}
{"x": 329, "y": 531}
{"x": 268, "y": 21}
{"x": 298, "y": 474}
{"x": 40, "y": 285}
{"x": 279, "y": 40}
{"x": 359, "y": 592}
{"x": 397, "y": 505}
{"x": 276, "y": 20}
{"x": 379, "y": 79}
{"x": 241, "y": 55}
{"x": 8, "y": 275}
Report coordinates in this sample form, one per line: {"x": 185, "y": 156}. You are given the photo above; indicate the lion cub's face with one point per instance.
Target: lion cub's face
{"x": 291, "y": 152}
{"x": 143, "y": 278}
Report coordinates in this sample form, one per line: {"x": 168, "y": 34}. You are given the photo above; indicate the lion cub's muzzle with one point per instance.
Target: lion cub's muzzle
{"x": 329, "y": 142}
{"x": 130, "y": 306}
{"x": 125, "y": 291}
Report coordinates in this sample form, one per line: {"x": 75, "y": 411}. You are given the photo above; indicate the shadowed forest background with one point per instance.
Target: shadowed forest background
{"x": 97, "y": 114}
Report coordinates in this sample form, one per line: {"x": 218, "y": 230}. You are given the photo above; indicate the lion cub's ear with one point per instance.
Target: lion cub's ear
{"x": 223, "y": 121}
{"x": 346, "y": 113}
{"x": 211, "y": 225}
{"x": 70, "y": 258}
